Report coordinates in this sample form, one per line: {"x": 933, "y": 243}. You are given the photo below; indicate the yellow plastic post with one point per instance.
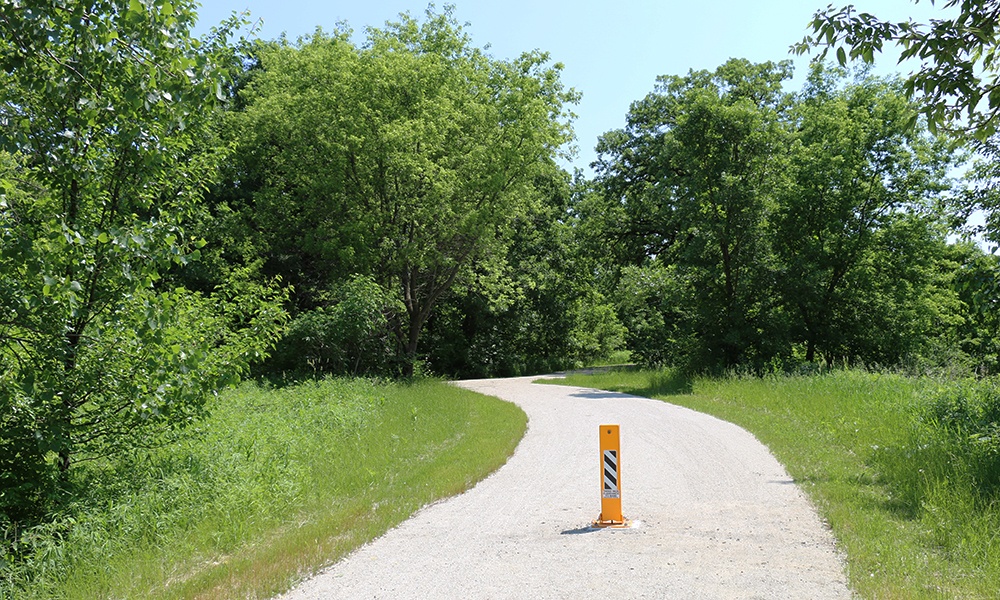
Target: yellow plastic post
{"x": 611, "y": 479}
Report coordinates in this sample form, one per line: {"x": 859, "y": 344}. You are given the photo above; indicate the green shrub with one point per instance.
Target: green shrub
{"x": 596, "y": 331}
{"x": 349, "y": 337}
{"x": 649, "y": 302}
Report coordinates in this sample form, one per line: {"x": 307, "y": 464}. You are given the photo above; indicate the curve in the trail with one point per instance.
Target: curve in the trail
{"x": 716, "y": 516}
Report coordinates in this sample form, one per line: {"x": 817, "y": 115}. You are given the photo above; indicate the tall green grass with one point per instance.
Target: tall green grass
{"x": 904, "y": 470}
{"x": 274, "y": 485}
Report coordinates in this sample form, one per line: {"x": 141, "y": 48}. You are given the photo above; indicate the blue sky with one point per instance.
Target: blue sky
{"x": 612, "y": 51}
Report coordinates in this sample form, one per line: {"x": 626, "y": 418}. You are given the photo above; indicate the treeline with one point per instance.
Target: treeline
{"x": 177, "y": 213}
{"x": 408, "y": 192}
{"x": 753, "y": 228}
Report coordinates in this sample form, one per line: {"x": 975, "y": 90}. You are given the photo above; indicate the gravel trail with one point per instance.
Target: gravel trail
{"x": 716, "y": 516}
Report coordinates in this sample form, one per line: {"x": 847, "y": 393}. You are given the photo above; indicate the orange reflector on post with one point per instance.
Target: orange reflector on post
{"x": 611, "y": 480}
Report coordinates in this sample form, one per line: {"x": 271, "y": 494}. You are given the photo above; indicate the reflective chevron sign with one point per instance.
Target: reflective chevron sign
{"x": 611, "y": 475}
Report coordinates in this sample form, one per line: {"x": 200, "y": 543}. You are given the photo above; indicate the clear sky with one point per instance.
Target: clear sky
{"x": 612, "y": 50}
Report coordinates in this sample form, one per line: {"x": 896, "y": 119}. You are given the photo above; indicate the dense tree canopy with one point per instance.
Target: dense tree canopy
{"x": 405, "y": 159}
{"x": 541, "y": 311}
{"x": 857, "y": 169}
{"x": 755, "y": 226}
{"x": 691, "y": 179}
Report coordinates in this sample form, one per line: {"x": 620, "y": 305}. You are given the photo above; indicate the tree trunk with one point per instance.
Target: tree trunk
{"x": 410, "y": 347}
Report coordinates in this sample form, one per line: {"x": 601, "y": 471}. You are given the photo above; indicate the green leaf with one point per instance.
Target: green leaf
{"x": 994, "y": 98}
{"x": 842, "y": 57}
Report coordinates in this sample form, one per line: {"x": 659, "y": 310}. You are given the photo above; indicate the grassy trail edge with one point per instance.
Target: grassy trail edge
{"x": 829, "y": 431}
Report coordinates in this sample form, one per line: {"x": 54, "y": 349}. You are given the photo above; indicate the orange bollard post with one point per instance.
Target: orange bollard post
{"x": 611, "y": 480}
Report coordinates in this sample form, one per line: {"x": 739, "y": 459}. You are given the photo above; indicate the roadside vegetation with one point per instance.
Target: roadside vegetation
{"x": 277, "y": 483}
{"x": 905, "y": 470}
{"x": 179, "y": 215}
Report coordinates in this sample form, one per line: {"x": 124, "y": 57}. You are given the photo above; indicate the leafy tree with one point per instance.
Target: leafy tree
{"x": 956, "y": 79}
{"x": 749, "y": 224}
{"x": 106, "y": 107}
{"x": 958, "y": 58}
{"x": 690, "y": 181}
{"x": 901, "y": 304}
{"x": 857, "y": 168}
{"x": 405, "y": 159}
{"x": 982, "y": 193}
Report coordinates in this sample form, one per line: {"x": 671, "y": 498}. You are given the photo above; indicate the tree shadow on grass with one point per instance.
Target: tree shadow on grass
{"x": 666, "y": 382}
{"x": 671, "y": 382}
{"x": 620, "y": 391}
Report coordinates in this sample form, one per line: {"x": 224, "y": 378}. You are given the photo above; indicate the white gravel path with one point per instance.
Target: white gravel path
{"x": 716, "y": 516}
